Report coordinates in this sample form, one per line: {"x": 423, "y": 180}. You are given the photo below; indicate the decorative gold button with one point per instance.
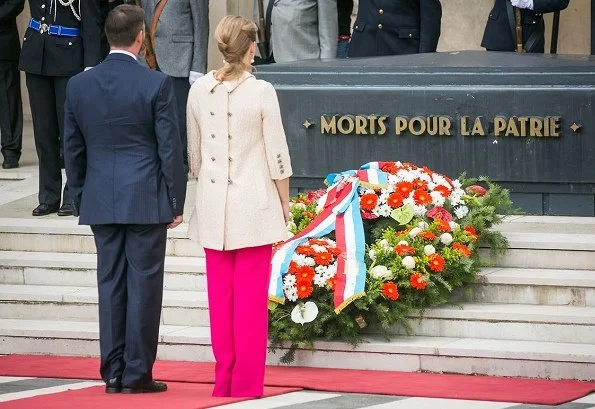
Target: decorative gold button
{"x": 410, "y": 35}
{"x": 43, "y": 6}
{"x": 379, "y": 26}
{"x": 43, "y": 19}
{"x": 70, "y": 43}
{"x": 381, "y": 11}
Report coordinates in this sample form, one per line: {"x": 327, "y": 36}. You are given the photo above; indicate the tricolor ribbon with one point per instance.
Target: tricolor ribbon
{"x": 340, "y": 213}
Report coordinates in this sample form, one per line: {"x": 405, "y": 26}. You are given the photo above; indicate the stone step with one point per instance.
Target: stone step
{"x": 79, "y": 270}
{"x": 535, "y": 241}
{"x": 493, "y": 321}
{"x": 520, "y": 322}
{"x": 411, "y": 354}
{"x": 80, "y": 304}
{"x": 532, "y": 286}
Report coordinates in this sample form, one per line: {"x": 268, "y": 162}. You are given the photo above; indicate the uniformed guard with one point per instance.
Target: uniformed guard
{"x": 63, "y": 38}
{"x": 517, "y": 25}
{"x": 393, "y": 27}
{"x": 11, "y": 108}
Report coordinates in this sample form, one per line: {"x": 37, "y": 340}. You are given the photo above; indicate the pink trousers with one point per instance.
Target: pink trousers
{"x": 238, "y": 282}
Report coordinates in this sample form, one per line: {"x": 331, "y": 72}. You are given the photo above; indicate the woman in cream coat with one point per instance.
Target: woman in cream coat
{"x": 238, "y": 152}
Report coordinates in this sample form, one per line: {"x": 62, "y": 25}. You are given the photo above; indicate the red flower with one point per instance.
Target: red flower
{"x": 304, "y": 289}
{"x": 420, "y": 184}
{"x": 293, "y": 267}
{"x": 334, "y": 251}
{"x": 308, "y": 215}
{"x": 305, "y": 273}
{"x": 395, "y": 200}
{"x": 422, "y": 197}
{"x": 461, "y": 248}
{"x": 390, "y": 291}
{"x": 323, "y": 259}
{"x": 428, "y": 235}
{"x": 368, "y": 216}
{"x": 440, "y": 213}
{"x": 470, "y": 230}
{"x": 368, "y": 201}
{"x": 403, "y": 250}
{"x": 318, "y": 242}
{"x": 315, "y": 195}
{"x": 443, "y": 226}
{"x": 390, "y": 167}
{"x": 305, "y": 250}
{"x": 418, "y": 281}
{"x": 404, "y": 188}
{"x": 436, "y": 263}
{"x": 332, "y": 282}
{"x": 476, "y": 190}
{"x": 443, "y": 190}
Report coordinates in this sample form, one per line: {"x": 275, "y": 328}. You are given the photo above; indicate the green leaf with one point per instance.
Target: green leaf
{"x": 403, "y": 214}
{"x": 272, "y": 306}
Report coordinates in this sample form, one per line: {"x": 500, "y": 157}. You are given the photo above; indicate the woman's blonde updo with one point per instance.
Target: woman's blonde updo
{"x": 234, "y": 35}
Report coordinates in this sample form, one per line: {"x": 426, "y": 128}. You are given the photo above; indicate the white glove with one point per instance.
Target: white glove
{"x": 194, "y": 76}
{"x": 523, "y": 4}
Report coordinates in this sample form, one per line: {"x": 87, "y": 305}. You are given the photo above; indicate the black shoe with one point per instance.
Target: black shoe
{"x": 114, "y": 385}
{"x": 65, "y": 210}
{"x": 150, "y": 387}
{"x": 10, "y": 164}
{"x": 45, "y": 209}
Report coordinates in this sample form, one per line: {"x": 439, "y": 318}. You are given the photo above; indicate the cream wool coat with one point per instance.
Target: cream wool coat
{"x": 236, "y": 149}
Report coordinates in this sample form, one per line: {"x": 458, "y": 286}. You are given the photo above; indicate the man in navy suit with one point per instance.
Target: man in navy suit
{"x": 123, "y": 159}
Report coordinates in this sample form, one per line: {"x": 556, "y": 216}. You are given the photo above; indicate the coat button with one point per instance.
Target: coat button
{"x": 69, "y": 43}
{"x": 229, "y": 114}
{"x": 43, "y": 6}
{"x": 43, "y": 19}
{"x": 212, "y": 113}
{"x": 281, "y": 171}
{"x": 213, "y": 135}
{"x": 213, "y": 159}
{"x": 212, "y": 91}
{"x": 278, "y": 156}
{"x": 229, "y": 181}
{"x": 379, "y": 26}
{"x": 212, "y": 180}
{"x": 381, "y": 11}
{"x": 228, "y": 136}
{"x": 410, "y": 35}
{"x": 229, "y": 158}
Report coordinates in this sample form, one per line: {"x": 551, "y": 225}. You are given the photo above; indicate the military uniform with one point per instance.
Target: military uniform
{"x": 11, "y": 108}
{"x": 392, "y": 27}
{"x": 500, "y": 31}
{"x": 60, "y": 42}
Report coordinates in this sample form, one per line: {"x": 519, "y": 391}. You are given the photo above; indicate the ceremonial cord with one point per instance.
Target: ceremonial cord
{"x": 66, "y": 3}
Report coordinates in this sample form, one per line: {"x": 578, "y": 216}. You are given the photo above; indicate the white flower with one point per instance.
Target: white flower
{"x": 408, "y": 262}
{"x": 454, "y": 226}
{"x": 291, "y": 293}
{"x": 384, "y": 244}
{"x": 319, "y": 280}
{"x": 380, "y": 272}
{"x": 318, "y": 248}
{"x": 446, "y": 238}
{"x": 429, "y": 249}
{"x": 419, "y": 210}
{"x": 456, "y": 183}
{"x": 299, "y": 259}
{"x": 289, "y": 280}
{"x": 331, "y": 271}
{"x": 437, "y": 198}
{"x": 414, "y": 232}
{"x": 461, "y": 211}
{"x": 300, "y": 206}
{"x": 402, "y": 243}
{"x": 410, "y": 200}
{"x": 372, "y": 254}
{"x": 384, "y": 210}
{"x": 290, "y": 234}
{"x": 423, "y": 225}
{"x": 321, "y": 270}
{"x": 291, "y": 225}
{"x": 304, "y": 313}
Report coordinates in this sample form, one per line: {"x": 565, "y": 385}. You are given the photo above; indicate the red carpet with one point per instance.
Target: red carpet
{"x": 535, "y": 391}
{"x": 178, "y": 396}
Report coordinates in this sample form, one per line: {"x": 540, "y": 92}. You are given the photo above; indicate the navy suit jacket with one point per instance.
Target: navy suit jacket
{"x": 122, "y": 146}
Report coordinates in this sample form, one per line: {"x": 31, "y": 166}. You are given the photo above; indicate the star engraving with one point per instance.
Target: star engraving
{"x": 575, "y": 127}
{"x": 307, "y": 124}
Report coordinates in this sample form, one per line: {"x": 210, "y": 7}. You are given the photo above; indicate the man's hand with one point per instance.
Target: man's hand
{"x": 177, "y": 221}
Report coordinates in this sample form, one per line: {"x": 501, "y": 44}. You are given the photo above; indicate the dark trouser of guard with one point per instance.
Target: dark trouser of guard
{"x": 46, "y": 97}
{"x": 130, "y": 263}
{"x": 181, "y": 90}
{"x": 11, "y": 110}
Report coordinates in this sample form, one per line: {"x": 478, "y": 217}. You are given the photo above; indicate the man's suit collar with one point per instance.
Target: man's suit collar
{"x": 120, "y": 57}
{"x": 212, "y": 82}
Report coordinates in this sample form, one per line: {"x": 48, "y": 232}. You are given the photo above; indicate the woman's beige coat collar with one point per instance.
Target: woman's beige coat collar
{"x": 212, "y": 82}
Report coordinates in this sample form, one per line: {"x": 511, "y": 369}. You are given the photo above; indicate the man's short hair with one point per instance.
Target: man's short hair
{"x": 123, "y": 25}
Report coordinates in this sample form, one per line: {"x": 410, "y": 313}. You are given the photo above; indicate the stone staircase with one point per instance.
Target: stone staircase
{"x": 531, "y": 315}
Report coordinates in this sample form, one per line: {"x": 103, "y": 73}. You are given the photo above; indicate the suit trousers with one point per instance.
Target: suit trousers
{"x": 238, "y": 282}
{"x": 46, "y": 97}
{"x": 11, "y": 110}
{"x": 181, "y": 90}
{"x": 130, "y": 264}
